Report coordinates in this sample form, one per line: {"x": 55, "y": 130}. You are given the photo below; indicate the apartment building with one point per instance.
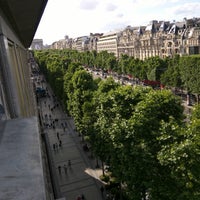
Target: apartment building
{"x": 94, "y": 37}
{"x": 160, "y": 38}
{"x": 80, "y": 43}
{"x": 37, "y": 44}
{"x": 109, "y": 42}
{"x": 65, "y": 43}
{"x": 129, "y": 42}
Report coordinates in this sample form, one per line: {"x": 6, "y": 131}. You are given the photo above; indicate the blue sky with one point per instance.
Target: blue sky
{"x": 82, "y": 17}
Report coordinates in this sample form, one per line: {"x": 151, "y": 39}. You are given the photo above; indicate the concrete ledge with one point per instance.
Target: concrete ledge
{"x": 21, "y": 172}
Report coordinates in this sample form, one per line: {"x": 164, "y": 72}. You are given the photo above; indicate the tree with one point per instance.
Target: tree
{"x": 155, "y": 67}
{"x": 83, "y": 85}
{"x": 142, "y": 171}
{"x": 171, "y": 77}
{"x": 180, "y": 155}
{"x": 189, "y": 70}
{"x": 68, "y": 86}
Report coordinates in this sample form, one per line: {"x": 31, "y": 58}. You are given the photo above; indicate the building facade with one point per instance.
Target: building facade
{"x": 163, "y": 39}
{"x": 158, "y": 38}
{"x": 109, "y": 42}
{"x": 93, "y": 39}
{"x": 21, "y": 169}
{"x": 37, "y": 44}
{"x": 80, "y": 43}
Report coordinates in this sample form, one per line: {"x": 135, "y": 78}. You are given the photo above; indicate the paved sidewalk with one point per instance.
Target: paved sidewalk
{"x": 81, "y": 177}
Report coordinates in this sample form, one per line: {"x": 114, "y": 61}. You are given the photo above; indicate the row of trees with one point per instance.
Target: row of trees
{"x": 139, "y": 132}
{"x": 180, "y": 72}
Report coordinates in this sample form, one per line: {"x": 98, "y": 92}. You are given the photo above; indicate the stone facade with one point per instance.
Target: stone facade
{"x": 93, "y": 39}
{"x": 80, "y": 43}
{"x": 158, "y": 38}
{"x": 163, "y": 39}
{"x": 26, "y": 177}
{"x": 37, "y": 44}
{"x": 109, "y": 42}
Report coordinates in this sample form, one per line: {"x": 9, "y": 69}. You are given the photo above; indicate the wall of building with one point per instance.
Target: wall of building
{"x": 15, "y": 87}
{"x": 20, "y": 136}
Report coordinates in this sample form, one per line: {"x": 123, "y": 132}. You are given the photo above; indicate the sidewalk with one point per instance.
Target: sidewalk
{"x": 81, "y": 177}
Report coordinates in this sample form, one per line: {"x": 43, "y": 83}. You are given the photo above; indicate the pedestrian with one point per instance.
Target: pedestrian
{"x": 60, "y": 143}
{"x": 102, "y": 190}
{"x": 59, "y": 169}
{"x": 54, "y": 147}
{"x": 58, "y": 135}
{"x": 78, "y": 198}
{"x": 82, "y": 197}
{"x": 65, "y": 168}
{"x": 69, "y": 163}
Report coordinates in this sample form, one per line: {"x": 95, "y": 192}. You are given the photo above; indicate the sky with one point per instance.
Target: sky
{"x": 81, "y": 17}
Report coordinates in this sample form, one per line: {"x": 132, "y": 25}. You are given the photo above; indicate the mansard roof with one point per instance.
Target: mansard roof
{"x": 140, "y": 31}
{"x": 115, "y": 32}
{"x": 151, "y": 27}
{"x": 173, "y": 29}
{"x": 163, "y": 27}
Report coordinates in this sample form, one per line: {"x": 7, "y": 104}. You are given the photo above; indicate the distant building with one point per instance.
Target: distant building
{"x": 158, "y": 38}
{"x": 93, "y": 39}
{"x": 80, "y": 43}
{"x": 109, "y": 42}
{"x": 163, "y": 39}
{"x": 129, "y": 42}
{"x": 37, "y": 44}
{"x": 61, "y": 44}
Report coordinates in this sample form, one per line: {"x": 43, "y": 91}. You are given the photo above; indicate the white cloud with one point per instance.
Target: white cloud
{"x": 88, "y": 4}
{"x": 187, "y": 8}
{"x": 111, "y": 7}
{"x": 80, "y": 17}
{"x": 152, "y": 3}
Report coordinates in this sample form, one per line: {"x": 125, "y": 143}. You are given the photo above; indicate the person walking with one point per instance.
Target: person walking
{"x": 82, "y": 197}
{"x": 102, "y": 190}
{"x": 59, "y": 169}
{"x": 60, "y": 143}
{"x": 69, "y": 163}
{"x": 78, "y": 198}
{"x": 56, "y": 145}
{"x": 65, "y": 168}
{"x": 58, "y": 135}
